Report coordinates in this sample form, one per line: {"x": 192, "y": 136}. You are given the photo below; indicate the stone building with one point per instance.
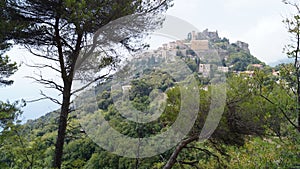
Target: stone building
{"x": 199, "y": 45}
{"x": 205, "y": 69}
{"x": 207, "y": 35}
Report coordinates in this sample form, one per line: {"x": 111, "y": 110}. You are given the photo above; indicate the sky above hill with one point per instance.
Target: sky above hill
{"x": 256, "y": 22}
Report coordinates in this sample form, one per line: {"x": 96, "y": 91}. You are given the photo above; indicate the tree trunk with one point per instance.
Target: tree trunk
{"x": 298, "y": 99}
{"x": 298, "y": 76}
{"x": 62, "y": 127}
{"x": 172, "y": 160}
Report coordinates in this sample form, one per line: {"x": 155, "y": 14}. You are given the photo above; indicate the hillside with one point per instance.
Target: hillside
{"x": 209, "y": 48}
{"x": 156, "y": 85}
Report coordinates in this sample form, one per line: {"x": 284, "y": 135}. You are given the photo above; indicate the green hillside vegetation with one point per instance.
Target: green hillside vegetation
{"x": 252, "y": 132}
{"x": 238, "y": 58}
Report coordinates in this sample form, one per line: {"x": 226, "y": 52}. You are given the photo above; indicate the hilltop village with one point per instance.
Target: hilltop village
{"x": 209, "y": 52}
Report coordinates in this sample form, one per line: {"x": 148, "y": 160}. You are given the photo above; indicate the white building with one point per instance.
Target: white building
{"x": 205, "y": 69}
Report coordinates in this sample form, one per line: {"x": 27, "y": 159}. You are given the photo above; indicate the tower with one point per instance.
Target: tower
{"x": 194, "y": 35}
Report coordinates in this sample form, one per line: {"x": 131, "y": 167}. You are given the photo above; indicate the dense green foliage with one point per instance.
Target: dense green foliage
{"x": 237, "y": 58}
{"x": 234, "y": 144}
{"x": 6, "y": 70}
{"x": 9, "y": 112}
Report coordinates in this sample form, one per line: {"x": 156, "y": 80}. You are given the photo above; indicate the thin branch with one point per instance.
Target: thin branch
{"x": 41, "y": 66}
{"x": 50, "y": 98}
{"x": 41, "y": 56}
{"x": 158, "y": 6}
{"x": 207, "y": 152}
{"x": 191, "y": 163}
{"x": 45, "y": 97}
{"x": 91, "y": 82}
{"x": 51, "y": 83}
{"x": 214, "y": 144}
{"x": 66, "y": 43}
{"x": 281, "y": 110}
{"x": 35, "y": 100}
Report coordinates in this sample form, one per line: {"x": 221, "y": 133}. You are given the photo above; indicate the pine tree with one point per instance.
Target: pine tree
{"x": 61, "y": 29}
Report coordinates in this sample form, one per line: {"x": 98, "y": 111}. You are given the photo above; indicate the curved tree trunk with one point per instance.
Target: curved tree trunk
{"x": 172, "y": 160}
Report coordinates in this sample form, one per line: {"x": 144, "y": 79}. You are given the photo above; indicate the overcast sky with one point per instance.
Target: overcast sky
{"x": 256, "y": 22}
